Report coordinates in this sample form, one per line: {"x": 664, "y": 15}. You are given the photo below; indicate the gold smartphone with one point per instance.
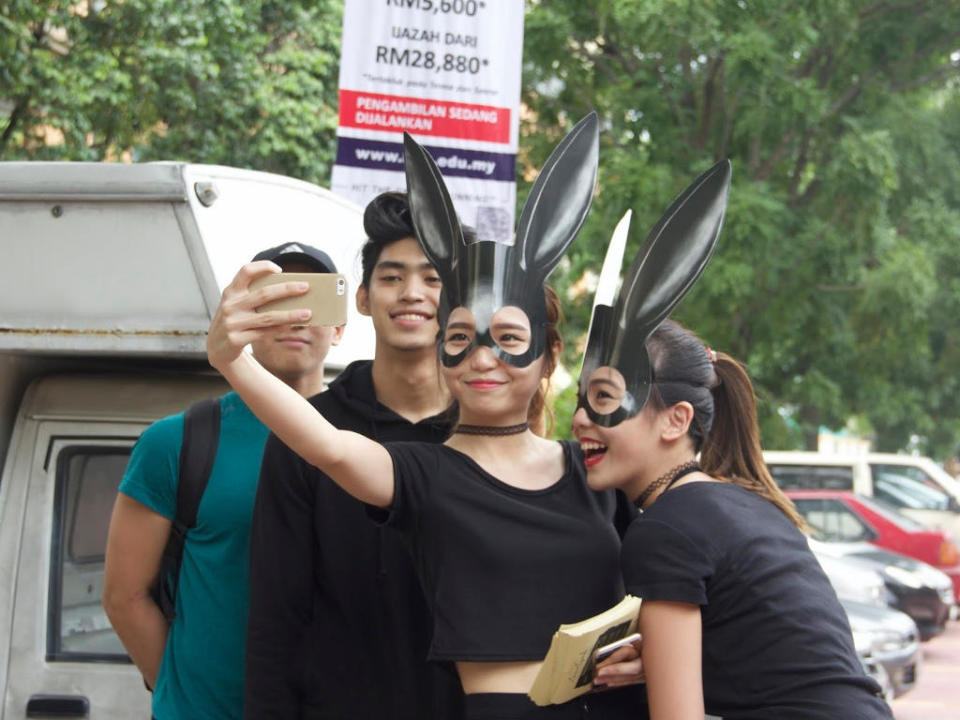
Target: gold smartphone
{"x": 326, "y": 298}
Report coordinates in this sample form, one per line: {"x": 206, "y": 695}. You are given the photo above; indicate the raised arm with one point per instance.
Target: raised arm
{"x": 359, "y": 465}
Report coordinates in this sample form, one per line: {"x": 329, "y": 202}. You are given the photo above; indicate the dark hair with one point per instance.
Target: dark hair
{"x": 540, "y": 414}
{"x": 724, "y": 428}
{"x": 386, "y": 219}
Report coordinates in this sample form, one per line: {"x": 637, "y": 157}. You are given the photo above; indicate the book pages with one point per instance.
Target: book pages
{"x": 567, "y": 670}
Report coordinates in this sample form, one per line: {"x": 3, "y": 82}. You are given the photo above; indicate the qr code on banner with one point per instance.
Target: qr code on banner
{"x": 493, "y": 223}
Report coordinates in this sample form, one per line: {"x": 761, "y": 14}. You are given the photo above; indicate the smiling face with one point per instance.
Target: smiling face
{"x": 616, "y": 457}
{"x": 295, "y": 353}
{"x": 490, "y": 391}
{"x": 401, "y": 297}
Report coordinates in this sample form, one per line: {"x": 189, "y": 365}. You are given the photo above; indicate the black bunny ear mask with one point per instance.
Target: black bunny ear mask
{"x": 484, "y": 277}
{"x": 616, "y": 375}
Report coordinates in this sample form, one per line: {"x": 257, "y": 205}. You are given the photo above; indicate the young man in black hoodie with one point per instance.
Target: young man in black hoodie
{"x": 338, "y": 624}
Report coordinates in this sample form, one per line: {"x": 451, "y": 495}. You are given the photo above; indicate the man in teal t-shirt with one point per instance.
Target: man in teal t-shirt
{"x": 195, "y": 665}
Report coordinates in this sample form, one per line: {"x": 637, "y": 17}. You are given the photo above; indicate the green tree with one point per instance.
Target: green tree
{"x": 250, "y": 83}
{"x": 837, "y": 279}
{"x": 836, "y": 269}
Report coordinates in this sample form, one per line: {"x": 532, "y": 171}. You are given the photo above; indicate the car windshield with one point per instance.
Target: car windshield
{"x": 901, "y": 490}
{"x": 930, "y": 473}
{"x": 802, "y": 477}
{"x": 890, "y": 513}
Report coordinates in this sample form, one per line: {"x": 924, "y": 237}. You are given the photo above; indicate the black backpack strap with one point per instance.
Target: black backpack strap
{"x": 201, "y": 436}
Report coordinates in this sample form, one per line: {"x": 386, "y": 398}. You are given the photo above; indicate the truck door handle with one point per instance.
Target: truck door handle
{"x": 58, "y": 706}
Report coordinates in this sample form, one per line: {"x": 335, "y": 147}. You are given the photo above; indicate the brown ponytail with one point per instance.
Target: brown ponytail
{"x": 724, "y": 428}
{"x": 540, "y": 414}
{"x": 731, "y": 451}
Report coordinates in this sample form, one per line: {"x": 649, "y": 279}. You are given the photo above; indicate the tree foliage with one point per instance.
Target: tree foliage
{"x": 835, "y": 280}
{"x": 250, "y": 83}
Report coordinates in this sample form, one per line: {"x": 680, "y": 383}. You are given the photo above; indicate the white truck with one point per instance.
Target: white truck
{"x": 112, "y": 275}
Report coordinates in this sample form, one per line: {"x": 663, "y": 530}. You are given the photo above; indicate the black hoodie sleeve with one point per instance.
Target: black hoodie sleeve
{"x": 281, "y": 584}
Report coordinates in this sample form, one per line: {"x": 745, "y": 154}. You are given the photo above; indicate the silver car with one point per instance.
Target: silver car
{"x": 890, "y": 639}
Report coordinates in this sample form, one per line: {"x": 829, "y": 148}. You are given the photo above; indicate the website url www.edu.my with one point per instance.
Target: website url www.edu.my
{"x": 445, "y": 162}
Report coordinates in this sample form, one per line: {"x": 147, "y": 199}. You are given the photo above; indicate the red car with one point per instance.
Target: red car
{"x": 840, "y": 515}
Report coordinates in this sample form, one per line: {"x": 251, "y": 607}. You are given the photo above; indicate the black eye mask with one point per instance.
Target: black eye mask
{"x": 616, "y": 376}
{"x": 484, "y": 277}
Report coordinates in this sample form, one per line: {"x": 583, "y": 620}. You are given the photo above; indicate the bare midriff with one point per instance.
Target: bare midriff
{"x": 498, "y": 677}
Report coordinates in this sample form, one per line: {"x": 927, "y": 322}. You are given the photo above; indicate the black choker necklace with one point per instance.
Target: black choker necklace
{"x": 666, "y": 480}
{"x": 491, "y": 430}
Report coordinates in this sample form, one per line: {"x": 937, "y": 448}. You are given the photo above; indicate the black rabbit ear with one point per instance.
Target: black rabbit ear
{"x": 675, "y": 252}
{"x": 560, "y": 199}
{"x": 431, "y": 209}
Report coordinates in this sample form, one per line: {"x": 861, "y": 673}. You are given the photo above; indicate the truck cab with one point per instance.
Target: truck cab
{"x": 114, "y": 272}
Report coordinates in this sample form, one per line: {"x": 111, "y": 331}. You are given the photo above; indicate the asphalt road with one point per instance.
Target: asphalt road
{"x": 936, "y": 695}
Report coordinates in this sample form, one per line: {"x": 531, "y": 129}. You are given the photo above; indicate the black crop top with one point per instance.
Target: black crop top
{"x": 502, "y": 567}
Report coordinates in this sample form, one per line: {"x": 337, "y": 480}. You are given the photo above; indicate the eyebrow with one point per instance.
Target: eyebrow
{"x": 509, "y": 326}
{"x": 460, "y": 326}
{"x": 397, "y": 265}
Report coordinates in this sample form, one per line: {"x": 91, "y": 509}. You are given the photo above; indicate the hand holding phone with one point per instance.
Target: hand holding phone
{"x": 326, "y": 299}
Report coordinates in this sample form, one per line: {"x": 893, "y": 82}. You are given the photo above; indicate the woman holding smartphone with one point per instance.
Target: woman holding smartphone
{"x": 507, "y": 538}
{"x": 738, "y": 618}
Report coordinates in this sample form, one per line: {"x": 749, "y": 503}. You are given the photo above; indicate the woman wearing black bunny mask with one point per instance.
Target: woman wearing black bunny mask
{"x": 498, "y": 519}
{"x": 738, "y": 618}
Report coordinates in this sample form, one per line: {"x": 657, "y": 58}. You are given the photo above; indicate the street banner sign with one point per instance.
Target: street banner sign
{"x": 447, "y": 72}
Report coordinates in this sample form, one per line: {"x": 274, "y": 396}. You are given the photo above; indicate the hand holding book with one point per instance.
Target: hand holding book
{"x": 568, "y": 669}
{"x": 605, "y": 654}
{"x": 621, "y": 666}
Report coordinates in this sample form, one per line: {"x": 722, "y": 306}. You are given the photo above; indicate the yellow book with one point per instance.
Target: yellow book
{"x": 567, "y": 670}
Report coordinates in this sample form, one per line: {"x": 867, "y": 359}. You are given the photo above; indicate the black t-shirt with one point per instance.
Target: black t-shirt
{"x": 503, "y": 567}
{"x": 776, "y": 641}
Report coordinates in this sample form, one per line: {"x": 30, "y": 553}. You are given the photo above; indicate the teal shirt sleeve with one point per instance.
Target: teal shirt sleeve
{"x": 151, "y": 475}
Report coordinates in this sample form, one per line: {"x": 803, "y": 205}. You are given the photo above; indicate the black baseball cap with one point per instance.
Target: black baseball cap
{"x": 298, "y": 252}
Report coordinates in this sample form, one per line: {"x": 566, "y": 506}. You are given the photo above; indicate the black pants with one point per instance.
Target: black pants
{"x": 624, "y": 704}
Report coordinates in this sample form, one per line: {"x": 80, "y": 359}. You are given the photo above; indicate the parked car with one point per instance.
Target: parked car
{"x": 886, "y": 640}
{"x": 910, "y": 586}
{"x": 889, "y": 638}
{"x": 840, "y": 515}
{"x": 852, "y": 580}
{"x": 916, "y": 486}
{"x": 875, "y": 670}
